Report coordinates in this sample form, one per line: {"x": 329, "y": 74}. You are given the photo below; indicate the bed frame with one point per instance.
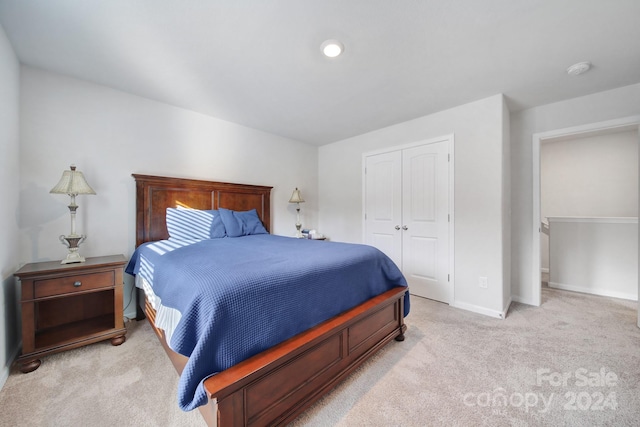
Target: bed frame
{"x": 275, "y": 386}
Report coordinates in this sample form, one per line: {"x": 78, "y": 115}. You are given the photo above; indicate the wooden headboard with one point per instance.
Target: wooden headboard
{"x": 154, "y": 194}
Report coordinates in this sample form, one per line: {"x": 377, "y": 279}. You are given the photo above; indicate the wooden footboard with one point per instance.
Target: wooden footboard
{"x": 275, "y": 386}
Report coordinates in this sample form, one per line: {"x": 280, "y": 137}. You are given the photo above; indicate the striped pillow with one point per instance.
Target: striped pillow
{"x": 194, "y": 224}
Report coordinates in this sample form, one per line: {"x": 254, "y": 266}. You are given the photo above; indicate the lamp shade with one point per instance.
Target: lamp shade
{"x": 296, "y": 197}
{"x": 72, "y": 183}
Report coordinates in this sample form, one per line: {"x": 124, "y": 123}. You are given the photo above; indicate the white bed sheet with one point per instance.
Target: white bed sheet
{"x": 167, "y": 318}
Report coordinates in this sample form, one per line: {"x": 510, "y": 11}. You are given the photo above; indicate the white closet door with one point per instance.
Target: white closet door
{"x": 383, "y": 204}
{"x": 425, "y": 223}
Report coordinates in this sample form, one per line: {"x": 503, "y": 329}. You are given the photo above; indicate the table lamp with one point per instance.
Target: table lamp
{"x": 72, "y": 183}
{"x": 297, "y": 199}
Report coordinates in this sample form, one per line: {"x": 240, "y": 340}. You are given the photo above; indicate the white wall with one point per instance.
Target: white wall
{"x": 595, "y": 255}
{"x": 109, "y": 135}
{"x": 9, "y": 161}
{"x": 593, "y": 176}
{"x": 613, "y": 104}
{"x": 478, "y": 130}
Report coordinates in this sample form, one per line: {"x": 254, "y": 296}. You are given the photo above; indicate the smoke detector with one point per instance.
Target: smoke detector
{"x": 579, "y": 68}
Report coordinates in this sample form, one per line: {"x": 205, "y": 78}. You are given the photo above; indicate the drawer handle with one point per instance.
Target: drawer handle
{"x": 77, "y": 284}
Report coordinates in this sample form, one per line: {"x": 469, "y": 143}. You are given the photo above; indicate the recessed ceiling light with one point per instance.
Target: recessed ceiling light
{"x": 579, "y": 68}
{"x": 332, "y": 48}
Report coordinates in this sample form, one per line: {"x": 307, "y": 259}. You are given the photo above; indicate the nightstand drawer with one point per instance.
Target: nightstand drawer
{"x": 70, "y": 284}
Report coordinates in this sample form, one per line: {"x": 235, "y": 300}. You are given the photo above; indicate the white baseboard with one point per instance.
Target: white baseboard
{"x": 505, "y": 310}
{"x": 480, "y": 310}
{"x": 523, "y": 300}
{"x": 594, "y": 291}
{"x": 4, "y": 373}
{"x": 130, "y": 314}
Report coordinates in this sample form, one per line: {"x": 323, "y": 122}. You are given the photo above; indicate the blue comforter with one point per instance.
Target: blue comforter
{"x": 241, "y": 296}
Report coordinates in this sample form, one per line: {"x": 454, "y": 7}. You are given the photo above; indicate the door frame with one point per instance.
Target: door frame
{"x": 450, "y": 139}
{"x": 537, "y": 139}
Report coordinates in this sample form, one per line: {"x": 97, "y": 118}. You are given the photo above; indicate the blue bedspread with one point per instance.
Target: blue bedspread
{"x": 241, "y": 296}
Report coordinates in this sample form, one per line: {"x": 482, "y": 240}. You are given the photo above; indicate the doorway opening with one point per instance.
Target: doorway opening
{"x": 595, "y": 129}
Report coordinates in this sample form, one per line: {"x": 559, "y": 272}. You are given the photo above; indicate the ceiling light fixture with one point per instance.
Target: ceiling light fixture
{"x": 332, "y": 48}
{"x": 579, "y": 68}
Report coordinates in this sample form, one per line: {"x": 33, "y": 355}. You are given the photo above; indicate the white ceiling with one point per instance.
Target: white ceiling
{"x": 258, "y": 63}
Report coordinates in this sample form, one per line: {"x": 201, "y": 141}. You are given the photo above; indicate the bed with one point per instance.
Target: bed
{"x": 275, "y": 385}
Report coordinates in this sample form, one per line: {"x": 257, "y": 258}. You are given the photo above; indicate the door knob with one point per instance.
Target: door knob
{"x": 404, "y": 227}
{"x": 397, "y": 227}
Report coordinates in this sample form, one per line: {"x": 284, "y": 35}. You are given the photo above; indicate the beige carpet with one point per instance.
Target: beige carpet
{"x": 574, "y": 361}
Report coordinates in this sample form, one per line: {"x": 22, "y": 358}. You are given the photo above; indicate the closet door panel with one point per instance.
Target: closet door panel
{"x": 383, "y": 204}
{"x": 425, "y": 209}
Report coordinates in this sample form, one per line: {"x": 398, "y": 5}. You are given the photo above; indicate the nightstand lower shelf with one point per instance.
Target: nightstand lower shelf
{"x": 95, "y": 329}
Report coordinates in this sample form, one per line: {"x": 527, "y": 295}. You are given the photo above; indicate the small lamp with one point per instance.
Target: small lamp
{"x": 297, "y": 199}
{"x": 72, "y": 183}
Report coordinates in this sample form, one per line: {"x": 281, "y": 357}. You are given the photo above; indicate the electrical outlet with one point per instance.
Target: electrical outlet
{"x": 482, "y": 282}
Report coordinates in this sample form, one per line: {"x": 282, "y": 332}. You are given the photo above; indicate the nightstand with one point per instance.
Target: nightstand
{"x": 66, "y": 306}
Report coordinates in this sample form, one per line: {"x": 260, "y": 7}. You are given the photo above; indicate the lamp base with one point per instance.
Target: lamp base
{"x": 72, "y": 257}
{"x": 72, "y": 242}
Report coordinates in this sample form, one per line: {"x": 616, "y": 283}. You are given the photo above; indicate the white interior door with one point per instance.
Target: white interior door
{"x": 407, "y": 214}
{"x": 425, "y": 220}
{"x": 383, "y": 204}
